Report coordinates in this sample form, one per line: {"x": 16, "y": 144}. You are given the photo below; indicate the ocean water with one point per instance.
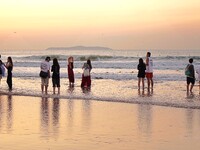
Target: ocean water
{"x": 110, "y": 64}
{"x": 114, "y": 75}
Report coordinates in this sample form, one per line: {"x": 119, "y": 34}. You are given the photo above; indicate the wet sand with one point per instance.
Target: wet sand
{"x": 52, "y": 123}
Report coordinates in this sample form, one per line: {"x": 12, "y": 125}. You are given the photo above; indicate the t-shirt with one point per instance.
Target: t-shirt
{"x": 149, "y": 67}
{"x": 45, "y": 66}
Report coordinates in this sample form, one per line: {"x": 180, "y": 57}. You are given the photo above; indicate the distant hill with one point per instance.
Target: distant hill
{"x": 79, "y": 48}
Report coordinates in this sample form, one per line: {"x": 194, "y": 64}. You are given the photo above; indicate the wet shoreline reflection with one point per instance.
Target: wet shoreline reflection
{"x": 6, "y": 113}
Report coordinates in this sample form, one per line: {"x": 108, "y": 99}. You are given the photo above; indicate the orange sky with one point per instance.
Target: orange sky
{"x": 127, "y": 24}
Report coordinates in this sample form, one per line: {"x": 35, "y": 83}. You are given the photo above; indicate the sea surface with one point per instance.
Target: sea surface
{"x": 114, "y": 75}
{"x": 109, "y": 64}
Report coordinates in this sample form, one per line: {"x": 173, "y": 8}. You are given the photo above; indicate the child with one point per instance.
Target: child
{"x": 198, "y": 72}
{"x": 141, "y": 73}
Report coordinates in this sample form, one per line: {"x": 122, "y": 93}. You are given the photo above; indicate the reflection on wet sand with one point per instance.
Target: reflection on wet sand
{"x": 6, "y": 109}
{"x": 55, "y": 114}
{"x": 9, "y": 113}
{"x": 145, "y": 119}
{"x": 45, "y": 115}
{"x": 70, "y": 112}
{"x": 189, "y": 120}
{"x": 50, "y": 118}
{"x": 86, "y": 112}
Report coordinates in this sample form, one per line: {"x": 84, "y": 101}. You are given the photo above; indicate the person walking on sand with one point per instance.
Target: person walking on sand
{"x": 141, "y": 73}
{"x": 45, "y": 74}
{"x": 190, "y": 74}
{"x": 86, "y": 77}
{"x": 70, "y": 70}
{"x": 198, "y": 72}
{"x": 149, "y": 71}
{"x": 56, "y": 75}
{"x": 9, "y": 66}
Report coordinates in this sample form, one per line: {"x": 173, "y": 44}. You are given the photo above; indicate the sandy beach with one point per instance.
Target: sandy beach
{"x": 52, "y": 123}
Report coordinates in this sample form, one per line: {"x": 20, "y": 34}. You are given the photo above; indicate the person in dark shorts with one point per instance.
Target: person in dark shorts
{"x": 141, "y": 73}
{"x": 56, "y": 75}
{"x": 190, "y": 74}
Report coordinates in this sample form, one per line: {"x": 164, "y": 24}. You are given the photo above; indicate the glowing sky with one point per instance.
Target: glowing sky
{"x": 118, "y": 24}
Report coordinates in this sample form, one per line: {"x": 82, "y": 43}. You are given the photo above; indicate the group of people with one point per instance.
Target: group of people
{"x": 146, "y": 69}
{"x": 55, "y": 69}
{"x": 9, "y": 66}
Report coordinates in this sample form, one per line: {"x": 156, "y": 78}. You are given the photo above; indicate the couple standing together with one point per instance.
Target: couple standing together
{"x": 55, "y": 69}
{"x": 86, "y": 78}
{"x": 145, "y": 69}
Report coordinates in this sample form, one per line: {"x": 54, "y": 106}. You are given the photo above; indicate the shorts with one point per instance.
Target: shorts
{"x": 56, "y": 82}
{"x": 45, "y": 81}
{"x": 190, "y": 80}
{"x": 149, "y": 75}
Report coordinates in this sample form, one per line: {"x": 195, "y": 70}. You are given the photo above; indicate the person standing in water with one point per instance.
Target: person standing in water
{"x": 86, "y": 76}
{"x": 45, "y": 68}
{"x": 149, "y": 71}
{"x": 9, "y": 66}
{"x": 56, "y": 75}
{"x": 141, "y": 73}
{"x": 70, "y": 70}
{"x": 190, "y": 74}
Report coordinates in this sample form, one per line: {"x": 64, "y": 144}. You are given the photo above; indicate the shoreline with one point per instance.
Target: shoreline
{"x": 145, "y": 101}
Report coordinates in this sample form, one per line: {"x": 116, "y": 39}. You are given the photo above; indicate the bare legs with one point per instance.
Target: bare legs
{"x": 189, "y": 88}
{"x": 139, "y": 81}
{"x": 54, "y": 89}
{"x": 42, "y": 88}
{"x": 149, "y": 82}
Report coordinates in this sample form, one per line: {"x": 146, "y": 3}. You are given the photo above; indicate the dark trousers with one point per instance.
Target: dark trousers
{"x": 9, "y": 81}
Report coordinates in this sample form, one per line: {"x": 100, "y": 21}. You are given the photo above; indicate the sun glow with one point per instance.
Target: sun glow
{"x": 114, "y": 23}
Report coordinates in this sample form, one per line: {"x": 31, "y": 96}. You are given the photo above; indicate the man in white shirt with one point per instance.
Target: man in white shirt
{"x": 149, "y": 71}
{"x": 45, "y": 67}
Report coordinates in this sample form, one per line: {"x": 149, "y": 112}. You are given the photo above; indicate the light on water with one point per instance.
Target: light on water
{"x": 47, "y": 123}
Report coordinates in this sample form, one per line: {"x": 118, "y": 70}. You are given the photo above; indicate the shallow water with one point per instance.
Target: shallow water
{"x": 165, "y": 93}
{"x": 46, "y": 123}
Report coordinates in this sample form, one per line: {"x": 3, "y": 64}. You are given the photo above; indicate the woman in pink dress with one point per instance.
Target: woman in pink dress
{"x": 70, "y": 71}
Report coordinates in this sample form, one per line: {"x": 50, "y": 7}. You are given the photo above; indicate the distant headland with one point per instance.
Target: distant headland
{"x": 80, "y": 48}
